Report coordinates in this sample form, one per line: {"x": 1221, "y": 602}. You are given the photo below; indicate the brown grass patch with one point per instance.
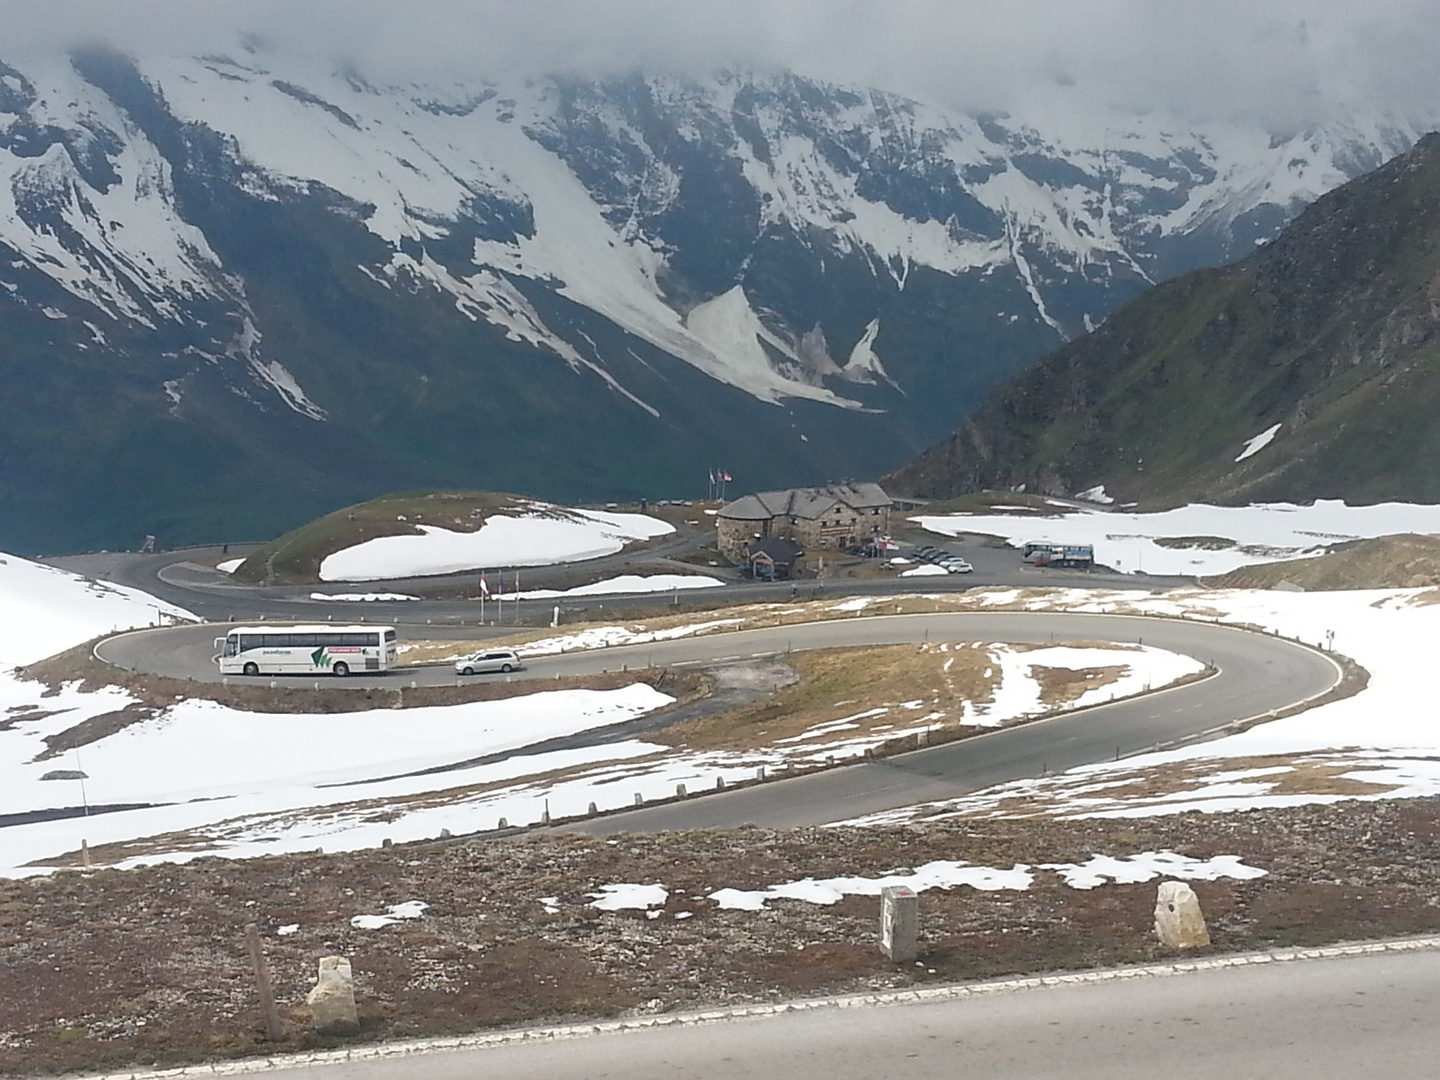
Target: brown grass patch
{"x": 1060, "y": 686}
{"x": 1290, "y": 776}
{"x": 840, "y": 683}
{"x": 1202, "y": 543}
{"x": 1406, "y": 561}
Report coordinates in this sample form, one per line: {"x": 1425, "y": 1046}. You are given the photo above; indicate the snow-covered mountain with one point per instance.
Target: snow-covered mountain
{"x": 239, "y": 289}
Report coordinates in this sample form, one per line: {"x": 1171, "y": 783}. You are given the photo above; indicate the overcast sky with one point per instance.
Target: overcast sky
{"x": 1285, "y": 61}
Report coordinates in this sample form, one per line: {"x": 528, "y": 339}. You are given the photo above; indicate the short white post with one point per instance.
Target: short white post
{"x": 899, "y": 922}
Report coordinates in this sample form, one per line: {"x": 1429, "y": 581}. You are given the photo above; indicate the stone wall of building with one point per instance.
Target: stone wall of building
{"x": 731, "y": 534}
{"x": 839, "y": 527}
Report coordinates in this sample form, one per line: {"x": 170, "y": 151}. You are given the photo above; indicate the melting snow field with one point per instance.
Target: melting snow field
{"x": 542, "y": 537}
{"x": 947, "y": 874}
{"x": 213, "y": 771}
{"x": 940, "y": 874}
{"x": 1250, "y": 534}
{"x": 224, "y": 781}
{"x": 48, "y": 610}
{"x": 262, "y": 783}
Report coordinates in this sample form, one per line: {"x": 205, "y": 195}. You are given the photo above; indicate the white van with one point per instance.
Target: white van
{"x": 502, "y": 660}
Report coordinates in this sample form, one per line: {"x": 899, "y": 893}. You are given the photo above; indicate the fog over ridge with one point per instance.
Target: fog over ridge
{"x": 1285, "y": 63}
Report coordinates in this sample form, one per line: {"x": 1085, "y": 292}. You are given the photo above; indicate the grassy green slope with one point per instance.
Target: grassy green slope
{"x": 1331, "y": 331}
{"x": 295, "y": 557}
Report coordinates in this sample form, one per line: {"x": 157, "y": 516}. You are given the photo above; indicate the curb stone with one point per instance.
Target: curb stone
{"x": 919, "y": 995}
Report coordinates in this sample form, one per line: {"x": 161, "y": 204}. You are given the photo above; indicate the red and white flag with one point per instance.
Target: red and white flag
{"x": 484, "y": 588}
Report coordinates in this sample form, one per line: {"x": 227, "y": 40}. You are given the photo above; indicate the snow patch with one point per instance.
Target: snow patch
{"x": 410, "y": 909}
{"x": 628, "y": 897}
{"x": 362, "y": 598}
{"x": 622, "y": 585}
{"x": 1259, "y": 442}
{"x": 541, "y": 536}
{"x": 49, "y": 610}
{"x": 1149, "y": 865}
{"x": 927, "y": 570}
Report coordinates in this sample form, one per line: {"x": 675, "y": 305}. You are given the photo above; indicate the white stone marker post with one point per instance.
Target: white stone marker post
{"x": 899, "y": 922}
{"x": 332, "y": 1002}
{"x": 1178, "y": 921}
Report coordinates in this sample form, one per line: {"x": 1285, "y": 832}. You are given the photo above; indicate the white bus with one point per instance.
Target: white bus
{"x": 306, "y": 650}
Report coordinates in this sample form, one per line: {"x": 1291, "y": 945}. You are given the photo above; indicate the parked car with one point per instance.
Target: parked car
{"x": 958, "y": 566}
{"x": 502, "y": 660}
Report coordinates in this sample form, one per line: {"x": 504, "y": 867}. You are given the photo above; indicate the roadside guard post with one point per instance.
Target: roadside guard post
{"x": 899, "y": 922}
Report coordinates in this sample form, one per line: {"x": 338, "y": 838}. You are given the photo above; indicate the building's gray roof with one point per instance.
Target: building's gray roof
{"x": 775, "y": 548}
{"x": 806, "y": 503}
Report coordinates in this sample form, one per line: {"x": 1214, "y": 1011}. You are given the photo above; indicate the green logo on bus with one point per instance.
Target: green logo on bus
{"x": 318, "y": 657}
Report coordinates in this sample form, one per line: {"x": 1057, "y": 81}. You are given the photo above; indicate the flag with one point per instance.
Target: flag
{"x": 484, "y": 588}
{"x": 712, "y": 476}
{"x": 726, "y": 477}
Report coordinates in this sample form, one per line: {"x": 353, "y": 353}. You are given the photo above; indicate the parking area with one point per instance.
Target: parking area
{"x": 944, "y": 558}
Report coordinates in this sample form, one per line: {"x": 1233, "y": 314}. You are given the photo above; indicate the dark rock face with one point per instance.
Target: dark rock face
{"x": 1329, "y": 331}
{"x": 235, "y": 294}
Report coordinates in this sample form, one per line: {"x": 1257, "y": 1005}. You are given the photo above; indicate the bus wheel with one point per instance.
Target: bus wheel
{"x": 252, "y": 668}
{"x": 342, "y": 669}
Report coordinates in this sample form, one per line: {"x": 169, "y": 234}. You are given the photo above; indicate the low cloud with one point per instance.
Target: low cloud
{"x": 1285, "y": 62}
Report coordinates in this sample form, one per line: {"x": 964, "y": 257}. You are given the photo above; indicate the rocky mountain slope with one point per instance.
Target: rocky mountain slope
{"x": 238, "y": 290}
{"x": 1310, "y": 369}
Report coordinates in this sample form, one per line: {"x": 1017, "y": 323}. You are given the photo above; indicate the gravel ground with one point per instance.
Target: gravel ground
{"x": 149, "y": 966}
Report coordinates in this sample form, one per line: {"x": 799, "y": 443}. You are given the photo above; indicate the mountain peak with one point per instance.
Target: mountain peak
{"x": 268, "y": 264}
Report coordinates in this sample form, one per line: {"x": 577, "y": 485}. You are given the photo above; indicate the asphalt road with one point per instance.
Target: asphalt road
{"x": 1256, "y": 674}
{"x": 189, "y": 580}
{"x": 1353, "y": 1018}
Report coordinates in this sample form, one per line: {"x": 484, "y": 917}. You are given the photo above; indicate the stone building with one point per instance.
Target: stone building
{"x": 770, "y": 558}
{"x": 836, "y": 517}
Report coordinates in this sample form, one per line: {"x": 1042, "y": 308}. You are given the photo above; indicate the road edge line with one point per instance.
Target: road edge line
{"x": 920, "y": 995}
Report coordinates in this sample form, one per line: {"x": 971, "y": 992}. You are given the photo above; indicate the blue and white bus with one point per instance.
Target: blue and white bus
{"x": 306, "y": 650}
